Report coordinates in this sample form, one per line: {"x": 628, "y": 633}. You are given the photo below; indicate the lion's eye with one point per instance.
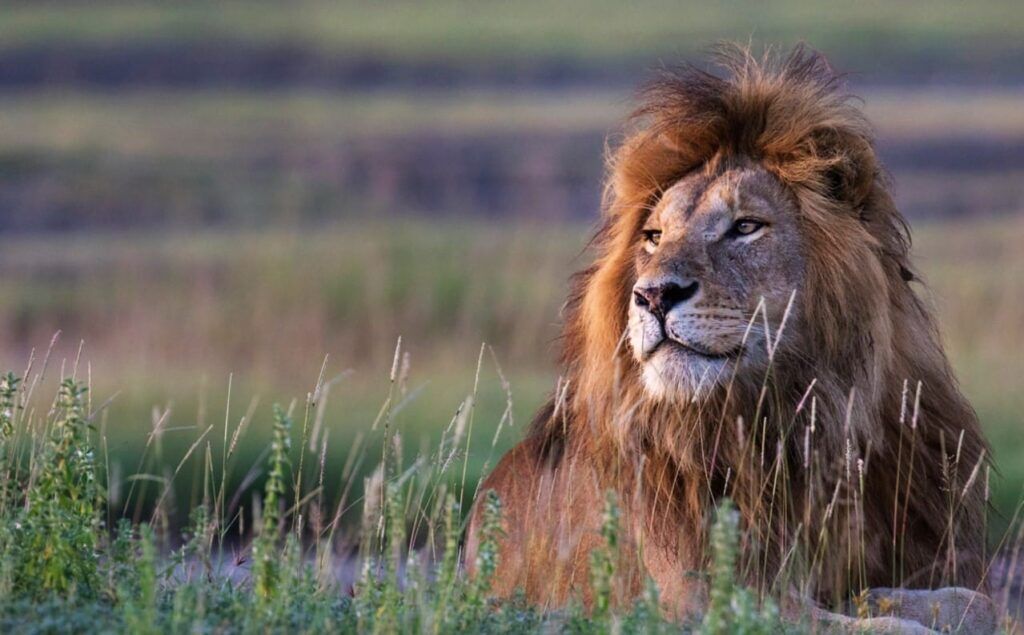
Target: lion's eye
{"x": 746, "y": 226}
{"x": 652, "y": 236}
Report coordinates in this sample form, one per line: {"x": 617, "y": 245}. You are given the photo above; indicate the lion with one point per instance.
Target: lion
{"x": 751, "y": 328}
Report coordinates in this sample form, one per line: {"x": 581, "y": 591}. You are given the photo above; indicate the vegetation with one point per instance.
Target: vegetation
{"x": 142, "y": 114}
{"x": 178, "y": 328}
{"x": 272, "y": 249}
{"x": 64, "y": 569}
{"x": 153, "y": 156}
{"x": 578, "y": 30}
{"x": 351, "y": 519}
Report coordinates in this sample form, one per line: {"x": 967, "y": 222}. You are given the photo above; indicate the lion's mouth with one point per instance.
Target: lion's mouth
{"x": 698, "y": 350}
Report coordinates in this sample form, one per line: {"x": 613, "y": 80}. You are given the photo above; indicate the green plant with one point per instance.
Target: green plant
{"x": 8, "y": 408}
{"x": 603, "y": 562}
{"x": 139, "y": 604}
{"x": 56, "y": 534}
{"x": 266, "y": 565}
{"x": 487, "y": 555}
{"x": 733, "y": 608}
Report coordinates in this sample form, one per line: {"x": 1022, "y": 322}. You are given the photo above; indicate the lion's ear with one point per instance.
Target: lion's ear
{"x": 851, "y": 170}
{"x": 836, "y": 180}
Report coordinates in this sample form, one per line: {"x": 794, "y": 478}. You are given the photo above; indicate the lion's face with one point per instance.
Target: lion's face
{"x": 713, "y": 249}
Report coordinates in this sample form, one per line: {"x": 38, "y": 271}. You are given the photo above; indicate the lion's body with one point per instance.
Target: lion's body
{"x": 852, "y": 457}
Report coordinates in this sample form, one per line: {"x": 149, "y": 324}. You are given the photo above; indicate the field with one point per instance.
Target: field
{"x": 167, "y": 321}
{"x": 259, "y": 313}
{"x": 578, "y": 32}
{"x": 144, "y": 158}
{"x": 209, "y": 208}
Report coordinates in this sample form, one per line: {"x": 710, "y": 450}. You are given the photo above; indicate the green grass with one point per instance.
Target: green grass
{"x": 290, "y": 562}
{"x": 65, "y": 566}
{"x": 425, "y": 407}
{"x": 349, "y": 292}
{"x": 479, "y": 33}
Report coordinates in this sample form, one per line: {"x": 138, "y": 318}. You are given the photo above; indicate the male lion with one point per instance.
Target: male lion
{"x": 749, "y": 329}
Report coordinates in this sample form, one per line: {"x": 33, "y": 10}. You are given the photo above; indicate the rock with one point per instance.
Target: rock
{"x": 837, "y": 623}
{"x": 952, "y": 609}
{"x": 889, "y": 625}
{"x": 827, "y": 622}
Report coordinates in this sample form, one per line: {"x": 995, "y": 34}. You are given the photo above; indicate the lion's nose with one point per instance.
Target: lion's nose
{"x": 659, "y": 299}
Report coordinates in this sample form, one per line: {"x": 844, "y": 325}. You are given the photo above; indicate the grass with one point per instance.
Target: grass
{"x": 580, "y": 30}
{"x": 64, "y": 567}
{"x": 212, "y": 124}
{"x": 280, "y": 556}
{"x": 188, "y": 452}
{"x": 168, "y": 320}
{"x": 229, "y": 157}
{"x": 169, "y": 482}
{"x": 971, "y": 269}
{"x": 350, "y": 291}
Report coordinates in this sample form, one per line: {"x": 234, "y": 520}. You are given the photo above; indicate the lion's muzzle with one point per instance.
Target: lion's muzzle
{"x": 661, "y": 298}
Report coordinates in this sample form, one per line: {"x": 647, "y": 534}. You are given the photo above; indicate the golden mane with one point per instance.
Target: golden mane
{"x": 857, "y": 443}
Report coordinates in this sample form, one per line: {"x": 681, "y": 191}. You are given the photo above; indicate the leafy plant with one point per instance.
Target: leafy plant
{"x": 733, "y": 608}
{"x": 603, "y": 562}
{"x": 56, "y": 532}
{"x": 266, "y": 567}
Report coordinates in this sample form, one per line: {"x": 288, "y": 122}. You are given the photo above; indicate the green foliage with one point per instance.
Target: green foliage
{"x": 266, "y": 563}
{"x": 603, "y": 561}
{"x": 56, "y": 532}
{"x": 448, "y": 571}
{"x": 8, "y": 408}
{"x": 8, "y": 391}
{"x": 490, "y": 533}
{"x": 733, "y": 608}
{"x": 140, "y": 604}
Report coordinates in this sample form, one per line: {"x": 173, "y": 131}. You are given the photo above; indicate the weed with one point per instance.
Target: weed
{"x": 266, "y": 564}
{"x": 733, "y": 608}
{"x": 56, "y": 533}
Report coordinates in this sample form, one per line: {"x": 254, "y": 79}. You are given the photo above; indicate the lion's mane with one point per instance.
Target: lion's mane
{"x": 856, "y": 459}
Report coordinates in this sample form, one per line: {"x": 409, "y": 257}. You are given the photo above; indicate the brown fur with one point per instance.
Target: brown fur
{"x": 853, "y": 464}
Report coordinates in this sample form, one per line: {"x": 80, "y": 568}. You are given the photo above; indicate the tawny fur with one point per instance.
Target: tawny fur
{"x": 882, "y": 491}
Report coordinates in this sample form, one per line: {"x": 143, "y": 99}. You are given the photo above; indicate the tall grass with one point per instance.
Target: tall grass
{"x": 290, "y": 564}
{"x": 252, "y": 518}
{"x": 64, "y": 569}
{"x": 167, "y": 319}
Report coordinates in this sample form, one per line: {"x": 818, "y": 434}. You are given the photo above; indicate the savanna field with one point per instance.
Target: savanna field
{"x": 278, "y": 286}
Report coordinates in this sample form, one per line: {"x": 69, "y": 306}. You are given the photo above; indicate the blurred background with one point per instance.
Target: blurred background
{"x": 208, "y": 193}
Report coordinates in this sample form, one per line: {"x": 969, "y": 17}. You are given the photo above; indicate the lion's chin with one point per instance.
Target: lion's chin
{"x": 675, "y": 373}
